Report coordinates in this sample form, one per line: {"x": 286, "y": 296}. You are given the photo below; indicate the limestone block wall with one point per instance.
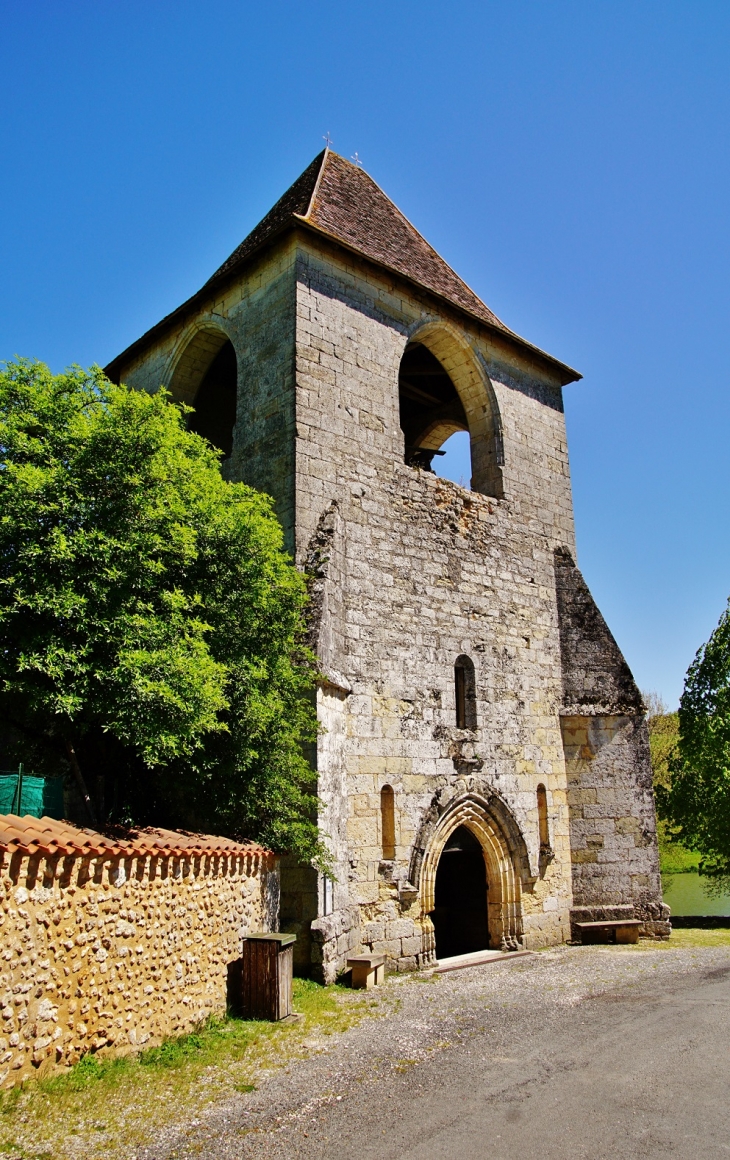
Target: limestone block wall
{"x": 606, "y": 744}
{"x": 415, "y": 572}
{"x": 257, "y": 314}
{"x": 536, "y": 470}
{"x": 612, "y": 823}
{"x": 434, "y": 572}
{"x": 108, "y": 951}
{"x": 406, "y": 573}
{"x": 353, "y": 324}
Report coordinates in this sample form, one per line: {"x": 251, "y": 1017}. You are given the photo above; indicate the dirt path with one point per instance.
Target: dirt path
{"x": 575, "y": 1052}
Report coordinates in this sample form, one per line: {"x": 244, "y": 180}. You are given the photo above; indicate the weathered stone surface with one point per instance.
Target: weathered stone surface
{"x": 408, "y": 572}
{"x": 596, "y": 677}
{"x": 86, "y": 965}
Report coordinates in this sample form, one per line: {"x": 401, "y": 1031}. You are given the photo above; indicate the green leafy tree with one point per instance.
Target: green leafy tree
{"x": 151, "y": 625}
{"x": 663, "y": 738}
{"x": 674, "y": 857}
{"x": 697, "y": 802}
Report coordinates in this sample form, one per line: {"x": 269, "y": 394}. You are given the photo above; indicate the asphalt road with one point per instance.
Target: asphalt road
{"x": 586, "y": 1053}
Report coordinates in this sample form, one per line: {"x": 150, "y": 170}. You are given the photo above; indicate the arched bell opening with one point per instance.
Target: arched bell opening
{"x": 215, "y": 400}
{"x": 205, "y": 376}
{"x": 430, "y": 408}
{"x": 460, "y": 917}
{"x": 443, "y": 390}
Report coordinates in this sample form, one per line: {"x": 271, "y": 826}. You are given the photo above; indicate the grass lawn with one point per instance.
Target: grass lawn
{"x": 107, "y": 1108}
{"x": 715, "y": 937}
{"x": 674, "y": 858}
{"x": 678, "y": 940}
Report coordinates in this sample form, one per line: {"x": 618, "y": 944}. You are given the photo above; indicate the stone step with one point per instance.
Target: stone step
{"x": 478, "y": 959}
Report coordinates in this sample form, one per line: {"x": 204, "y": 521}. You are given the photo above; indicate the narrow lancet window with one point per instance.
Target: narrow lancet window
{"x": 460, "y": 698}
{"x": 466, "y": 693}
{"x": 387, "y": 822}
{"x": 542, "y": 817}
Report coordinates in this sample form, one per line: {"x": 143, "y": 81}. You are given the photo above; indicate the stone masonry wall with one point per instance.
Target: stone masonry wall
{"x": 434, "y": 572}
{"x": 257, "y": 314}
{"x": 417, "y": 571}
{"x": 612, "y": 822}
{"x": 613, "y": 836}
{"x": 115, "y": 956}
{"x": 408, "y": 571}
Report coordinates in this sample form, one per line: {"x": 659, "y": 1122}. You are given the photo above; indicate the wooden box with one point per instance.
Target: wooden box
{"x": 262, "y": 977}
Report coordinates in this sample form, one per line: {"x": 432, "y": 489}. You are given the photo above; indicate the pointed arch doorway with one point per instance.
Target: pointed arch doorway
{"x": 491, "y": 824}
{"x": 459, "y": 917}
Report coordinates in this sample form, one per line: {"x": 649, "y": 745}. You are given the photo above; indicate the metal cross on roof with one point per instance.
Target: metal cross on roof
{"x": 356, "y": 159}
{"x": 326, "y": 137}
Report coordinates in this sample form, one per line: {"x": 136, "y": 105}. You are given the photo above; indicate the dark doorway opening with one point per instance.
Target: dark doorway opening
{"x": 460, "y": 915}
{"x": 215, "y": 401}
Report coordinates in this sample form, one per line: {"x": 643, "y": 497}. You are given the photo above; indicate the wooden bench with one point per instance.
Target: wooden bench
{"x": 614, "y": 930}
{"x": 367, "y": 970}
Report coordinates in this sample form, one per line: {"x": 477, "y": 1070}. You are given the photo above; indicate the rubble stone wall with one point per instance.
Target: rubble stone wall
{"x": 111, "y": 957}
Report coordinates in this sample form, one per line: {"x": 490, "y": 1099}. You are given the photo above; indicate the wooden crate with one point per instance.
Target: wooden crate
{"x": 264, "y": 977}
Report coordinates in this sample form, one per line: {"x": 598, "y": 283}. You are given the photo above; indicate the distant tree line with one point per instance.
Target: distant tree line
{"x": 691, "y": 758}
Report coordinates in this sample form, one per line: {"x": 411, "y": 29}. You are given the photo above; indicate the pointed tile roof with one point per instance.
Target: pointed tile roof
{"x": 340, "y": 200}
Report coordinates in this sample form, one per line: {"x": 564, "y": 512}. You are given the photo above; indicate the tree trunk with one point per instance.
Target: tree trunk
{"x": 80, "y": 781}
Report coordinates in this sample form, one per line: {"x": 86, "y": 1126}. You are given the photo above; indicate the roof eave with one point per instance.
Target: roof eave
{"x": 566, "y": 374}
{"x": 189, "y": 304}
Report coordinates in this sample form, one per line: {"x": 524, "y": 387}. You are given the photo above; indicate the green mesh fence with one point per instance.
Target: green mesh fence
{"x": 23, "y": 793}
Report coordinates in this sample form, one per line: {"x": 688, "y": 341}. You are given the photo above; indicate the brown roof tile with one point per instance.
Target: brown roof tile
{"x": 294, "y": 204}
{"x": 48, "y": 836}
{"x": 350, "y": 207}
{"x": 340, "y": 200}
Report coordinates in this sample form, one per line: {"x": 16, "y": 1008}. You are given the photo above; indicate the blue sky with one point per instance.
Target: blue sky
{"x": 570, "y": 160}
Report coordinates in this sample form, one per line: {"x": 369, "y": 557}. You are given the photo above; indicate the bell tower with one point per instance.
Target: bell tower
{"x": 473, "y": 697}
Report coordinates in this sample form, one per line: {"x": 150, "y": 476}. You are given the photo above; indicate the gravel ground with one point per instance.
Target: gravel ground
{"x": 574, "y": 1052}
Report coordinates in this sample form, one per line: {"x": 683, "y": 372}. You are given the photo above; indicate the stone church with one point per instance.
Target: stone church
{"x": 483, "y": 762}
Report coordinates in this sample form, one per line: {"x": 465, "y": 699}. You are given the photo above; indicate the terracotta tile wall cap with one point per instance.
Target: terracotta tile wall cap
{"x": 31, "y": 835}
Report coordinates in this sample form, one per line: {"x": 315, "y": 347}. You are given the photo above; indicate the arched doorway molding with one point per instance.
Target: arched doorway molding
{"x": 505, "y": 855}
{"x": 192, "y": 355}
{"x": 468, "y": 374}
